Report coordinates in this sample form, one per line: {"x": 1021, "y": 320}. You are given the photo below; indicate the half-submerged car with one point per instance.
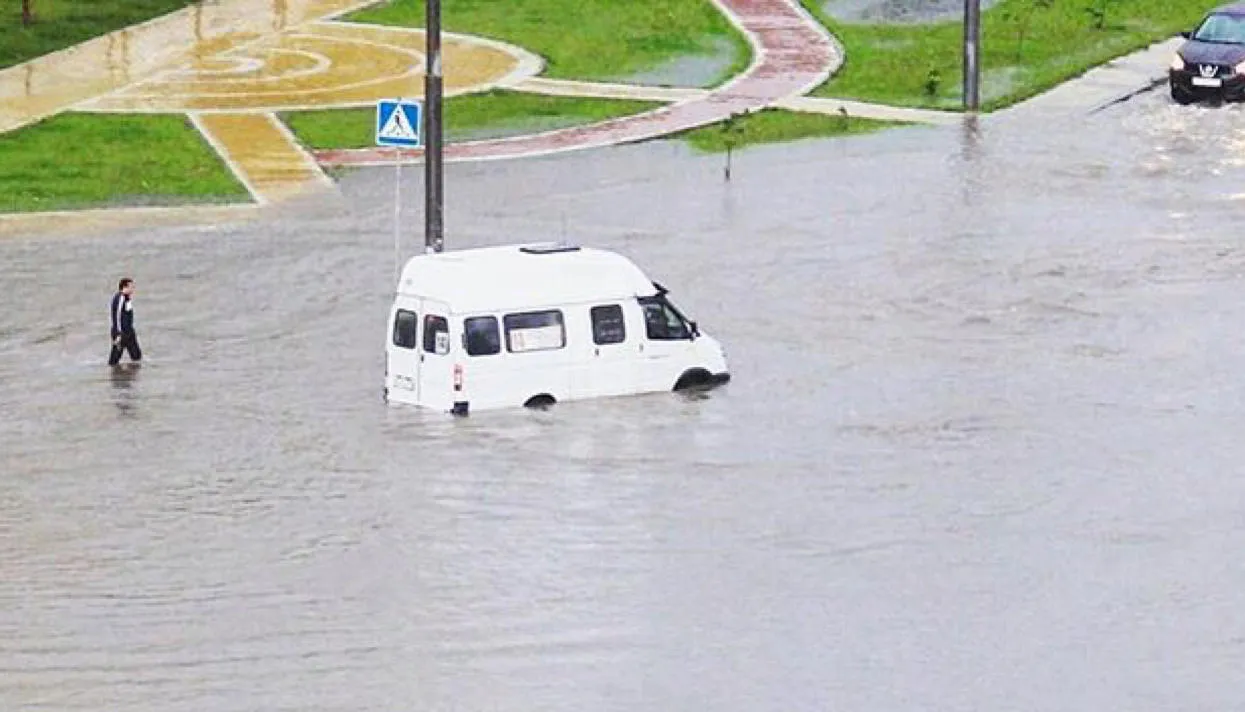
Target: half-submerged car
{"x": 1211, "y": 64}
{"x": 531, "y": 325}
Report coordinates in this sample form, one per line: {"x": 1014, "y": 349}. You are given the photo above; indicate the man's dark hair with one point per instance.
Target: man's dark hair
{"x": 125, "y": 282}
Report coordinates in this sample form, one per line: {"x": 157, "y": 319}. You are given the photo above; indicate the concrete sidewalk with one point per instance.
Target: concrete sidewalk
{"x": 1102, "y": 86}
{"x": 59, "y": 81}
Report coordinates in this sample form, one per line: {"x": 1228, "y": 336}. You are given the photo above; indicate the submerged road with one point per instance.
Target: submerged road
{"x": 981, "y": 450}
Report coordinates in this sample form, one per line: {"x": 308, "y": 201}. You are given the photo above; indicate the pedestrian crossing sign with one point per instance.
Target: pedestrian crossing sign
{"x": 397, "y": 123}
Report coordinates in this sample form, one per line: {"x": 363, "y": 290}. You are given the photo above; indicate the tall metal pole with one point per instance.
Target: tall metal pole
{"x": 972, "y": 52}
{"x": 433, "y": 201}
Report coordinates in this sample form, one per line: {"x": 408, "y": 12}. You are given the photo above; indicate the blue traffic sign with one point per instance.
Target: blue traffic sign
{"x": 397, "y": 123}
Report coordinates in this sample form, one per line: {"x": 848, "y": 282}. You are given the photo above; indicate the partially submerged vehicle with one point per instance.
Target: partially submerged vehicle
{"x": 1211, "y": 64}
{"x": 532, "y": 325}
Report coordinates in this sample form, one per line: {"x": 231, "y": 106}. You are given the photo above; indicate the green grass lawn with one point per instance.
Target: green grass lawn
{"x": 776, "y": 126}
{"x": 468, "y": 117}
{"x": 585, "y": 39}
{"x": 80, "y": 160}
{"x": 503, "y": 113}
{"x": 64, "y": 23}
{"x": 1028, "y": 46}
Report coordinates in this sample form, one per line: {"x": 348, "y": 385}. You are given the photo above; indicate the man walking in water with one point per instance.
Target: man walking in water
{"x": 123, "y": 335}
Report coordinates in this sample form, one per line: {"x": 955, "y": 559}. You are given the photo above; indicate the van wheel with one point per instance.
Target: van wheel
{"x": 694, "y": 378}
{"x": 540, "y": 402}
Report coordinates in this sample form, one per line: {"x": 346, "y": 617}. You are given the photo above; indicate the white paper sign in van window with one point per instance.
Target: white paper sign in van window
{"x": 536, "y": 339}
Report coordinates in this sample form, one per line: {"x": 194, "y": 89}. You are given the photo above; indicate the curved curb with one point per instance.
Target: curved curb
{"x": 1153, "y": 84}
{"x": 792, "y": 54}
{"x": 840, "y": 51}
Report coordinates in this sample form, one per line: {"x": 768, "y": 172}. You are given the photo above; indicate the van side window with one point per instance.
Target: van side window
{"x": 481, "y": 336}
{"x": 404, "y": 327}
{"x": 534, "y": 331}
{"x": 436, "y": 334}
{"x": 662, "y": 322}
{"x": 607, "y": 325}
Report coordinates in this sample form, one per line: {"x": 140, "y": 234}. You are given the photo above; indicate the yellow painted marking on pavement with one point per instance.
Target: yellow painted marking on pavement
{"x": 263, "y": 155}
{"x": 56, "y": 82}
{"x": 320, "y": 65}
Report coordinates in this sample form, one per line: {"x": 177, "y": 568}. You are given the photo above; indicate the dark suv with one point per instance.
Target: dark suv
{"x": 1211, "y": 65}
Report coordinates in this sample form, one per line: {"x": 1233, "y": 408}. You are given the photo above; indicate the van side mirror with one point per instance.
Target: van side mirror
{"x": 1186, "y": 35}
{"x": 695, "y": 329}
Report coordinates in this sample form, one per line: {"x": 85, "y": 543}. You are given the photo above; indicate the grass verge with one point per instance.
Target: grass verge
{"x": 60, "y": 23}
{"x": 90, "y": 160}
{"x": 1028, "y": 46}
{"x": 490, "y": 114}
{"x": 776, "y": 126}
{"x": 584, "y": 39}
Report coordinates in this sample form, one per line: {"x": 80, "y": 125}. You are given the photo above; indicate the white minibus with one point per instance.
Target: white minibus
{"x": 532, "y": 325}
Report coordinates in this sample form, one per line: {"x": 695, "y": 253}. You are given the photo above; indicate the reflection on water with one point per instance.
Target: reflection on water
{"x": 980, "y": 444}
{"x": 122, "y": 378}
{"x": 971, "y": 140}
{"x": 974, "y": 164}
{"x": 117, "y": 56}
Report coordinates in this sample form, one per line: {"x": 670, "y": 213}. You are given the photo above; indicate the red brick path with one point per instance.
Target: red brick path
{"x": 792, "y": 54}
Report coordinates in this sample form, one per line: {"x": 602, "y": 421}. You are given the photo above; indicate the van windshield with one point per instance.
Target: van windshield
{"x": 662, "y": 321}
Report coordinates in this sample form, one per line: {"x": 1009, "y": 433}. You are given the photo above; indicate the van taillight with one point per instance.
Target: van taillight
{"x": 458, "y": 377}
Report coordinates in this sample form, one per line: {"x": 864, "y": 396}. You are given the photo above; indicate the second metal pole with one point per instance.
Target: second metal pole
{"x": 972, "y": 54}
{"x": 433, "y": 200}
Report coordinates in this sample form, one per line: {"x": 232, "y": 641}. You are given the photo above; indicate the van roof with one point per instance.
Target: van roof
{"x": 522, "y": 276}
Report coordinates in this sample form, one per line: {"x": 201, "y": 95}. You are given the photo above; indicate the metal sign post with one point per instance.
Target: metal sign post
{"x": 397, "y": 214}
{"x": 397, "y": 126}
{"x": 433, "y": 207}
{"x": 972, "y": 54}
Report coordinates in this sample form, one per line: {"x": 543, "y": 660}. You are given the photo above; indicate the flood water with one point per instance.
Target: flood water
{"x": 982, "y": 449}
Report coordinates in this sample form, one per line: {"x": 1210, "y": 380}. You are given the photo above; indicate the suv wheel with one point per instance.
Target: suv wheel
{"x": 1182, "y": 97}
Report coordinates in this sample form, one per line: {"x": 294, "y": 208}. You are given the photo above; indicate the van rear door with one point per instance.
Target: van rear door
{"x": 436, "y": 357}
{"x": 402, "y": 353}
